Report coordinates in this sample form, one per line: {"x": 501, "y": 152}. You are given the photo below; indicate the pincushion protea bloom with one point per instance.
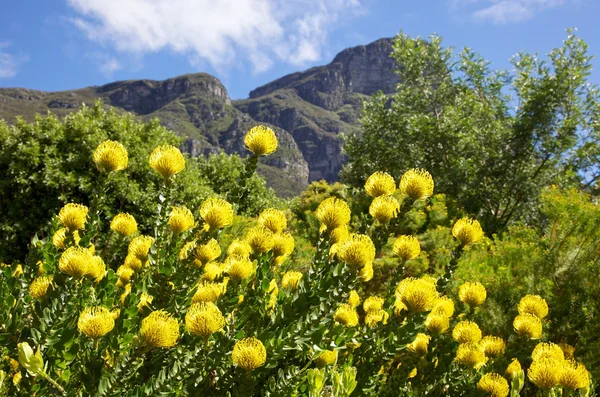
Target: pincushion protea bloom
{"x": 291, "y": 279}
{"x": 513, "y": 369}
{"x": 473, "y": 294}
{"x": 466, "y": 332}
{"x": 159, "y": 329}
{"x": 533, "y": 304}
{"x": 273, "y": 220}
{"x": 420, "y": 344}
{"x": 384, "y": 208}
{"x": 417, "y": 184}
{"x": 283, "y": 244}
{"x": 380, "y": 184}
{"x": 110, "y": 156}
{"x": 327, "y": 357}
{"x": 124, "y": 224}
{"x": 545, "y": 373}
{"x": 95, "y": 322}
{"x": 249, "y": 353}
{"x": 528, "y": 325}
{"x": 467, "y": 231}
{"x": 239, "y": 268}
{"x": 73, "y": 216}
{"x": 180, "y": 219}
{"x": 494, "y": 385}
{"x": 204, "y": 319}
{"x": 75, "y": 261}
{"x": 407, "y": 247}
{"x": 261, "y": 140}
{"x": 437, "y": 323}
{"x": 260, "y": 239}
{"x": 333, "y": 213}
{"x": 574, "y": 375}
{"x": 346, "y": 315}
{"x": 358, "y": 250}
{"x": 39, "y": 287}
{"x": 493, "y": 346}
{"x": 167, "y": 160}
{"x": 217, "y": 213}
{"x": 471, "y": 355}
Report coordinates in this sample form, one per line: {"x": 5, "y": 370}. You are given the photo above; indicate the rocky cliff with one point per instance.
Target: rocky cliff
{"x": 309, "y": 111}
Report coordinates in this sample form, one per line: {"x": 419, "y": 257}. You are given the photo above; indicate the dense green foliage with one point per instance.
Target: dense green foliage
{"x": 493, "y": 139}
{"x": 47, "y": 163}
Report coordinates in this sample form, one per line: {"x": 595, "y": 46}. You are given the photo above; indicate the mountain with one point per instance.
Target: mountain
{"x": 309, "y": 111}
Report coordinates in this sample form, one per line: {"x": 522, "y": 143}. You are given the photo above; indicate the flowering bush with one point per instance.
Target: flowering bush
{"x": 178, "y": 312}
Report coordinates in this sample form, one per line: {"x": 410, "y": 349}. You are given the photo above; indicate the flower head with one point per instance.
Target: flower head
{"x": 568, "y": 350}
{"x": 574, "y": 375}
{"x": 420, "y": 344}
{"x": 274, "y": 293}
{"x": 39, "y": 287}
{"x": 327, "y": 357}
{"x": 353, "y": 299}
{"x": 249, "y": 353}
{"x": 167, "y": 160}
{"x": 59, "y": 238}
{"x": 494, "y": 385}
{"x": 124, "y": 224}
{"x": 471, "y": 355}
{"x": 547, "y": 350}
{"x": 380, "y": 184}
{"x": 417, "y": 184}
{"x": 472, "y": 294}
{"x": 407, "y": 247}
{"x": 124, "y": 274}
{"x": 493, "y": 346}
{"x": 95, "y": 322}
{"x": 239, "y": 248}
{"x": 180, "y": 220}
{"x": 209, "y": 291}
{"x": 533, "y": 304}
{"x": 443, "y": 306}
{"x": 291, "y": 279}
{"x": 110, "y": 156}
{"x": 159, "y": 329}
{"x": 384, "y": 208}
{"x": 75, "y": 261}
{"x": 207, "y": 252}
{"x": 260, "y": 239}
{"x": 545, "y": 373}
{"x": 73, "y": 216}
{"x": 204, "y": 319}
{"x": 283, "y": 244}
{"x": 140, "y": 247}
{"x": 273, "y": 219}
{"x": 466, "y": 332}
{"x": 418, "y": 295}
{"x": 366, "y": 273}
{"x": 338, "y": 235}
{"x": 513, "y": 369}
{"x": 145, "y": 301}
{"x": 212, "y": 271}
{"x": 97, "y": 268}
{"x": 467, "y": 231}
{"x": 437, "y": 323}
{"x": 333, "y": 213}
{"x": 376, "y": 316}
{"x": 217, "y": 213}
{"x": 528, "y": 325}
{"x": 357, "y": 250}
{"x": 346, "y": 315}
{"x": 261, "y": 140}
{"x": 133, "y": 262}
{"x": 373, "y": 303}
{"x": 239, "y": 268}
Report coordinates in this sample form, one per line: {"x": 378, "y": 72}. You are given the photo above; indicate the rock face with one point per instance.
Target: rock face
{"x": 309, "y": 111}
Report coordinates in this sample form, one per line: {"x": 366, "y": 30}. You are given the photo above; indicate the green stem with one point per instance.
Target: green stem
{"x": 53, "y": 383}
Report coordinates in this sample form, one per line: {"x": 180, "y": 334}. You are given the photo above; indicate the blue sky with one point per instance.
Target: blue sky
{"x": 55, "y": 45}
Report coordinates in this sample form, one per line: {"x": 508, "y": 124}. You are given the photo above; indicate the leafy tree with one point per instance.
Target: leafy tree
{"x": 493, "y": 139}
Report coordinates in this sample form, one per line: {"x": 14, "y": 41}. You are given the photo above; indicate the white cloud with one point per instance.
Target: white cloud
{"x": 10, "y": 62}
{"x": 506, "y": 11}
{"x": 220, "y": 32}
{"x": 107, "y": 64}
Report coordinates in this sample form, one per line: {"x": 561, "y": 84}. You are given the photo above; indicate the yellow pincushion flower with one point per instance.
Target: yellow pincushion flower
{"x": 97, "y": 268}
{"x": 443, "y": 306}
{"x": 239, "y": 248}
{"x": 204, "y": 319}
{"x": 274, "y": 293}
{"x": 366, "y": 273}
{"x": 39, "y": 287}
{"x": 16, "y": 379}
{"x": 357, "y": 250}
{"x": 111, "y": 156}
{"x": 273, "y": 219}
{"x": 472, "y": 294}
{"x": 167, "y": 160}
{"x": 333, "y": 213}
{"x": 180, "y": 220}
{"x": 380, "y": 184}
{"x": 418, "y": 295}
{"x": 239, "y": 268}
{"x": 417, "y": 184}
{"x": 124, "y": 224}
{"x": 467, "y": 231}
{"x": 533, "y": 304}
{"x": 471, "y": 355}
{"x": 205, "y": 253}
{"x": 249, "y": 353}
{"x": 283, "y": 244}
{"x": 95, "y": 322}
{"x": 124, "y": 274}
{"x": 291, "y": 279}
{"x": 338, "y": 235}
{"x": 212, "y": 271}
{"x": 187, "y": 250}
{"x": 353, "y": 299}
{"x": 125, "y": 294}
{"x": 75, "y": 261}
{"x": 407, "y": 247}
{"x": 545, "y": 373}
{"x": 373, "y": 303}
{"x": 568, "y": 350}
{"x": 574, "y": 375}
{"x": 466, "y": 332}
{"x": 132, "y": 262}
{"x": 145, "y": 301}
{"x": 73, "y": 216}
{"x": 260, "y": 239}
{"x": 260, "y": 140}
{"x": 437, "y": 323}
{"x": 59, "y": 238}
{"x": 528, "y": 325}
{"x": 346, "y": 315}
{"x": 159, "y": 329}
{"x": 140, "y": 247}
{"x": 374, "y": 317}
{"x": 327, "y": 357}
{"x": 513, "y": 369}
{"x": 420, "y": 344}
{"x": 547, "y": 350}
{"x": 384, "y": 208}
{"x": 217, "y": 213}
{"x": 494, "y": 385}
{"x": 493, "y": 346}
{"x": 209, "y": 292}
